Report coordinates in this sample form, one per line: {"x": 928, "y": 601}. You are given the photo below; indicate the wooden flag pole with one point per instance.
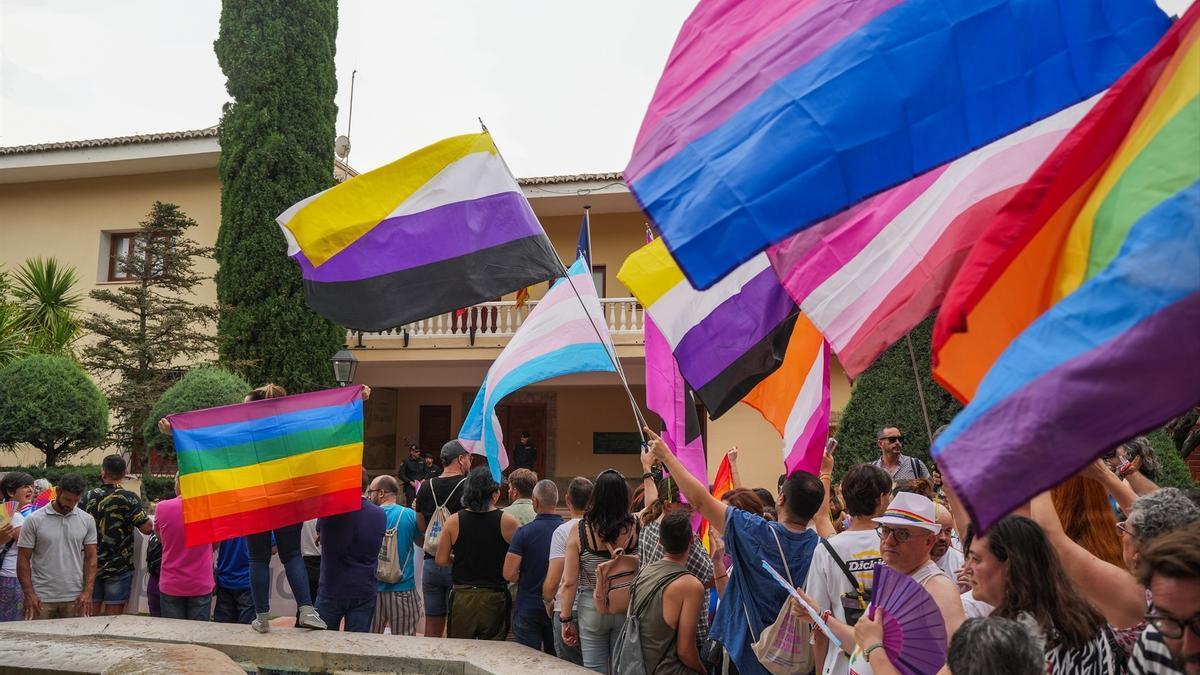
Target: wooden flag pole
{"x": 912, "y": 355}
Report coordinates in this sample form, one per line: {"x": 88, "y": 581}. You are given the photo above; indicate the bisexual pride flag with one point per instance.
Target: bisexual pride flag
{"x": 441, "y": 229}
{"x": 259, "y": 466}
{"x": 771, "y": 116}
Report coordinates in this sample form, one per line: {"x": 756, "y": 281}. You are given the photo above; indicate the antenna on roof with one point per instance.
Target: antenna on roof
{"x": 341, "y": 146}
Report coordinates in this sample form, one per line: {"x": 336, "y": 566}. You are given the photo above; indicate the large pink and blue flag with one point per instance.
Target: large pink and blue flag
{"x": 771, "y": 116}
{"x": 557, "y": 338}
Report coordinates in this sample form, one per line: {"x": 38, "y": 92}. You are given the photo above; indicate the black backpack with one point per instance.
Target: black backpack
{"x": 154, "y": 555}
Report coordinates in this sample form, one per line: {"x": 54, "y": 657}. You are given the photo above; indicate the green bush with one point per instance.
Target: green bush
{"x": 154, "y": 488}
{"x": 203, "y": 387}
{"x": 1173, "y": 471}
{"x": 50, "y": 403}
{"x": 89, "y": 472}
{"x": 886, "y": 394}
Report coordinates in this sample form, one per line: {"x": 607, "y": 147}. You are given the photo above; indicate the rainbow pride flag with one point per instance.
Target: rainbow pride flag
{"x": 771, "y": 116}
{"x": 440, "y": 229}
{"x": 259, "y": 466}
{"x": 722, "y": 483}
{"x": 1074, "y": 324}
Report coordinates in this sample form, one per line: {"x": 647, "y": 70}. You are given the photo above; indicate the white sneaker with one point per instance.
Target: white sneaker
{"x": 261, "y": 623}
{"x": 308, "y": 618}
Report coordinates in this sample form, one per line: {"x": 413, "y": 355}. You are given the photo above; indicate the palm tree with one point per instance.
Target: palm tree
{"x": 47, "y": 310}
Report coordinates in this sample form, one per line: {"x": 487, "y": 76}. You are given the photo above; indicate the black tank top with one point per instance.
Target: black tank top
{"x": 479, "y": 550}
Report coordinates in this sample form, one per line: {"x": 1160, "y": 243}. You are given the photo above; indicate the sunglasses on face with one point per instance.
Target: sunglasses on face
{"x": 898, "y": 534}
{"x": 1173, "y": 628}
{"x": 892, "y": 439}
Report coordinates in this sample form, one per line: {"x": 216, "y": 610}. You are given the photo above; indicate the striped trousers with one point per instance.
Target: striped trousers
{"x": 400, "y": 611}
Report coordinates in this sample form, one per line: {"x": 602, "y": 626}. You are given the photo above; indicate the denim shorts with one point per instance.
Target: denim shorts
{"x": 113, "y": 590}
{"x": 436, "y": 583}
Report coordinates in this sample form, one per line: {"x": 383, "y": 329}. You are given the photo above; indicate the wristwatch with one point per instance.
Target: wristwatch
{"x": 565, "y": 619}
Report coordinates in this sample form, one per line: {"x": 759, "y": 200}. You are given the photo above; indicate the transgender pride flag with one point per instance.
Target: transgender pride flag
{"x": 557, "y": 339}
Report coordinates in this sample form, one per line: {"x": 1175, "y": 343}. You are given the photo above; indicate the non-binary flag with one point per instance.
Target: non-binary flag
{"x": 772, "y": 116}
{"x": 443, "y": 228}
{"x": 869, "y": 275}
{"x": 795, "y": 398}
{"x": 725, "y": 339}
{"x": 1082, "y": 301}
{"x": 262, "y": 465}
{"x": 672, "y": 400}
{"x": 557, "y": 338}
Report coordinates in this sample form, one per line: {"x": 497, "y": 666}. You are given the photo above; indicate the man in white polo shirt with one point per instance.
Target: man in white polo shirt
{"x": 56, "y": 562}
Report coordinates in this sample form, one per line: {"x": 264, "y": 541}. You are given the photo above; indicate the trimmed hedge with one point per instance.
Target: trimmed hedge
{"x": 50, "y": 403}
{"x": 203, "y": 387}
{"x": 154, "y": 488}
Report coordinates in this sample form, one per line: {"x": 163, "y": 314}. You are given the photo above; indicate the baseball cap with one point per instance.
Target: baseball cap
{"x": 451, "y": 451}
{"x": 913, "y": 510}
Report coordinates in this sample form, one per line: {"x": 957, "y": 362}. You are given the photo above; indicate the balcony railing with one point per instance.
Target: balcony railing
{"x": 502, "y": 319}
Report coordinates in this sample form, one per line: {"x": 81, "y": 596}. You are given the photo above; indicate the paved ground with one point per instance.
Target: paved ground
{"x": 290, "y": 650}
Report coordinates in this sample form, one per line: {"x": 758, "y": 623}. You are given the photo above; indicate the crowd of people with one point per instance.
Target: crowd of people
{"x": 1099, "y": 575}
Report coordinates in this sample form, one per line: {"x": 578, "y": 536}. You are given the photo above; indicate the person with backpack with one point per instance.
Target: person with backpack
{"x": 397, "y": 604}
{"x": 600, "y": 566}
{"x": 899, "y": 466}
{"x": 350, "y": 544}
{"x": 842, "y": 570}
{"x": 659, "y": 635}
{"x": 753, "y": 600}
{"x": 474, "y": 542}
{"x": 438, "y": 499}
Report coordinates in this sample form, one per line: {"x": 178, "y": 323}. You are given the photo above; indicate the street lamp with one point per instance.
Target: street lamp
{"x": 344, "y": 365}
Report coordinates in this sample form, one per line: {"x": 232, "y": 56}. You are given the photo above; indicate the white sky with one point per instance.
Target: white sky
{"x": 561, "y": 84}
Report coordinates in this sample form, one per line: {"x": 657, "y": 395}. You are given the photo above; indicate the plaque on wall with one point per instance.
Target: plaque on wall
{"x": 379, "y": 430}
{"x": 616, "y": 443}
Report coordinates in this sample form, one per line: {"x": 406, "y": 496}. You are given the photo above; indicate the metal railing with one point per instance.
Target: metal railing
{"x": 502, "y": 319}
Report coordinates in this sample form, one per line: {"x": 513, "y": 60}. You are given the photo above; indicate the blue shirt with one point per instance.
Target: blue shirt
{"x": 752, "y": 594}
{"x": 350, "y": 551}
{"x": 532, "y": 543}
{"x": 404, "y": 520}
{"x": 233, "y": 564}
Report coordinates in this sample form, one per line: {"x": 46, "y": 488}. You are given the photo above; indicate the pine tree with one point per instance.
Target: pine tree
{"x": 886, "y": 394}
{"x": 150, "y": 327}
{"x": 276, "y": 149}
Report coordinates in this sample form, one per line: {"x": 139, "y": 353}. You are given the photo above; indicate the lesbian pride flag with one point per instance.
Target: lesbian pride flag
{"x": 259, "y": 466}
{"x": 771, "y": 116}
{"x": 443, "y": 228}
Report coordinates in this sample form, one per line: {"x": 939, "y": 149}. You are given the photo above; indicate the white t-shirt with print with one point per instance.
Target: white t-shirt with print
{"x": 10, "y": 559}
{"x": 826, "y": 582}
{"x": 558, "y": 549}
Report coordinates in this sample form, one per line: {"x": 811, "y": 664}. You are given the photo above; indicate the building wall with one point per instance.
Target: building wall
{"x": 67, "y": 219}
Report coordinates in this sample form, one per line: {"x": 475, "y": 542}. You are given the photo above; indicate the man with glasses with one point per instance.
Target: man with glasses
{"x": 944, "y": 554}
{"x": 899, "y": 466}
{"x": 1170, "y": 568}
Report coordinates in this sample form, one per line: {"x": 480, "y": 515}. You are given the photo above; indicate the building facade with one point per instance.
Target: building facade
{"x": 78, "y": 201}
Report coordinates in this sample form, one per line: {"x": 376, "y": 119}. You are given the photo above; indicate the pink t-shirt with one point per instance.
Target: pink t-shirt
{"x": 186, "y": 570}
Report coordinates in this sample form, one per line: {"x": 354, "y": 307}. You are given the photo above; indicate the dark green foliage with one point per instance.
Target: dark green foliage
{"x": 886, "y": 394}
{"x": 154, "y": 488}
{"x": 204, "y": 387}
{"x": 150, "y": 325}
{"x": 276, "y": 149}
{"x": 50, "y": 403}
{"x": 1173, "y": 472}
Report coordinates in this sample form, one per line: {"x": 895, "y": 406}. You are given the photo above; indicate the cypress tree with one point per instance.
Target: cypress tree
{"x": 276, "y": 149}
{"x": 886, "y": 394}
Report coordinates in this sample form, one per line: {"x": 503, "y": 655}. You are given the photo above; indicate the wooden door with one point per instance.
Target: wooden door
{"x": 529, "y": 418}
{"x": 433, "y": 430}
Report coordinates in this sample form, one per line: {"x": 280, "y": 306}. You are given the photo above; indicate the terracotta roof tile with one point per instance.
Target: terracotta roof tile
{"x": 573, "y": 178}
{"x": 210, "y": 132}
